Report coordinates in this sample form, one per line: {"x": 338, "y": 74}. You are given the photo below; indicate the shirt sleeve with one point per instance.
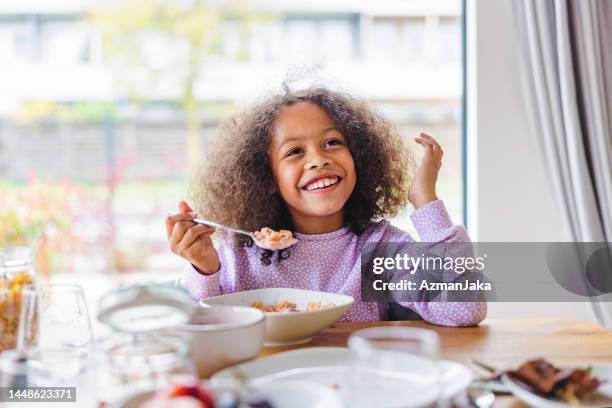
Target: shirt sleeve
{"x": 434, "y": 225}
{"x": 200, "y": 286}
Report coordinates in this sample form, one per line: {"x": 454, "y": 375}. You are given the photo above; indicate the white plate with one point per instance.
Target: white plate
{"x": 332, "y": 367}
{"x": 282, "y": 394}
{"x": 603, "y": 396}
{"x": 292, "y": 327}
{"x": 300, "y": 394}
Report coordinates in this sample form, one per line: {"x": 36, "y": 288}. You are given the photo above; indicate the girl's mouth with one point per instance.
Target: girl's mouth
{"x": 323, "y": 184}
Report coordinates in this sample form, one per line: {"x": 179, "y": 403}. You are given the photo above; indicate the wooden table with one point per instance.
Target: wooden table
{"x": 502, "y": 343}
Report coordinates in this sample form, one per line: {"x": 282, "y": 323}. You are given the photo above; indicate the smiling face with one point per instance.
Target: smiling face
{"x": 312, "y": 166}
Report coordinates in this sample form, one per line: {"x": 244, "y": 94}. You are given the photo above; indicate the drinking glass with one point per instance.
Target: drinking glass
{"x": 132, "y": 363}
{"x": 27, "y": 332}
{"x": 56, "y": 334}
{"x": 396, "y": 365}
{"x": 64, "y": 318}
{"x": 64, "y": 367}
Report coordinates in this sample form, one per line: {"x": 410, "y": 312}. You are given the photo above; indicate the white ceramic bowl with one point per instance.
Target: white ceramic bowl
{"x": 292, "y": 327}
{"x": 224, "y": 335}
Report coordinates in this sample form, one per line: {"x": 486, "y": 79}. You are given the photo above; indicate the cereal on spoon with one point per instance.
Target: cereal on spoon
{"x": 274, "y": 240}
{"x": 266, "y": 238}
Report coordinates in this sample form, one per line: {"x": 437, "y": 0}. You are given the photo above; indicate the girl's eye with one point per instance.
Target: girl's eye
{"x": 333, "y": 142}
{"x": 294, "y": 151}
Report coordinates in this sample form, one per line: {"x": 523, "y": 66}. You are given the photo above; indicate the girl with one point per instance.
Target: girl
{"x": 322, "y": 164}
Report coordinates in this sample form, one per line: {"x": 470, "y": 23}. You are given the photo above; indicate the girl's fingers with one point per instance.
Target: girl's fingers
{"x": 193, "y": 234}
{"x": 423, "y": 142}
{"x": 434, "y": 142}
{"x": 428, "y": 137}
{"x": 437, "y": 149}
{"x": 423, "y": 139}
{"x": 184, "y": 207}
{"x": 428, "y": 147}
{"x": 171, "y": 220}
{"x": 195, "y": 250}
{"x": 178, "y": 231}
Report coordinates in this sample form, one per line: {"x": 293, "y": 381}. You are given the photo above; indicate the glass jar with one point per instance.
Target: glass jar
{"x": 16, "y": 271}
{"x": 133, "y": 363}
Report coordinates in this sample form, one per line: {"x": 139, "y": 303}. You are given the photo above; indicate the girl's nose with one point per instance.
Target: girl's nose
{"x": 317, "y": 161}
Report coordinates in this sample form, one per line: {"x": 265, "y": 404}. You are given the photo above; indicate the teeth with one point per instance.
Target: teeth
{"x": 326, "y": 182}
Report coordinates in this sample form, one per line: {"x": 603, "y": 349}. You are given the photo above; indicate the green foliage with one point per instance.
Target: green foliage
{"x": 78, "y": 112}
{"x": 34, "y": 209}
{"x": 86, "y": 112}
{"x": 191, "y": 30}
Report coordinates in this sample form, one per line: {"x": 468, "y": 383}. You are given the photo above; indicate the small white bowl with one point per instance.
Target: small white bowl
{"x": 224, "y": 335}
{"x": 292, "y": 327}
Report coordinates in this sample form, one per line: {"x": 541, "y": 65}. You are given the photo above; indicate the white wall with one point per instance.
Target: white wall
{"x": 509, "y": 198}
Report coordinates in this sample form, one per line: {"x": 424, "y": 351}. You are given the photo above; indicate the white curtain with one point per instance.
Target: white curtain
{"x": 567, "y": 58}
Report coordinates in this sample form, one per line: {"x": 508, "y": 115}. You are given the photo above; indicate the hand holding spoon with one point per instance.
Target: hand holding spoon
{"x": 257, "y": 238}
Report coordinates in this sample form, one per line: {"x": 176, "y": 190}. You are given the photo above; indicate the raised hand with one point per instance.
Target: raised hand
{"x": 423, "y": 188}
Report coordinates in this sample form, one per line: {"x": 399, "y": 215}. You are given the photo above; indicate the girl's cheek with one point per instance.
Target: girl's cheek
{"x": 287, "y": 179}
{"x": 352, "y": 166}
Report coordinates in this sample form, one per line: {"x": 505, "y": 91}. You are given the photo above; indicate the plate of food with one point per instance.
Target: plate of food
{"x": 191, "y": 393}
{"x": 540, "y": 384}
{"x": 293, "y": 316}
{"x": 406, "y": 384}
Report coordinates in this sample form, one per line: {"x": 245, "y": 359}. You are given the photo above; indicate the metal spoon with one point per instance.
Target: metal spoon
{"x": 480, "y": 397}
{"x": 259, "y": 243}
{"x": 494, "y": 373}
{"x": 491, "y": 381}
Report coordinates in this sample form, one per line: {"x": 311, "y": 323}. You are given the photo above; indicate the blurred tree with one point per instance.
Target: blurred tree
{"x": 158, "y": 46}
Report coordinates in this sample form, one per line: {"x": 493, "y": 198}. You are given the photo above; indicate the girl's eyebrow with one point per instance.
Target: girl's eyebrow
{"x": 299, "y": 137}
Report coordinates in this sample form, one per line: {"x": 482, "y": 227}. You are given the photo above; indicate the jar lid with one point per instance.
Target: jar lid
{"x": 142, "y": 308}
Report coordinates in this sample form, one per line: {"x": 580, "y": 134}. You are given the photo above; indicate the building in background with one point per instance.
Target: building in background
{"x": 64, "y": 116}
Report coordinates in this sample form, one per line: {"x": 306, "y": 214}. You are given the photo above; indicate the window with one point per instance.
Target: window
{"x": 399, "y": 39}
{"x": 120, "y": 154}
{"x": 336, "y": 39}
{"x": 8, "y": 43}
{"x": 450, "y": 39}
{"x": 385, "y": 41}
{"x": 26, "y": 41}
{"x": 321, "y": 39}
{"x": 64, "y": 42}
{"x": 413, "y": 39}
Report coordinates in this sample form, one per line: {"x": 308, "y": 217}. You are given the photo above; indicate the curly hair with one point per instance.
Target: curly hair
{"x": 234, "y": 184}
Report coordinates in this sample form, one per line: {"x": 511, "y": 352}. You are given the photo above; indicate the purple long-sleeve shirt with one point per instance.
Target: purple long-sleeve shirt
{"x": 331, "y": 262}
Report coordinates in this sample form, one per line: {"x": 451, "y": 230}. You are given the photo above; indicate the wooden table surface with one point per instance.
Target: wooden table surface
{"x": 502, "y": 343}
